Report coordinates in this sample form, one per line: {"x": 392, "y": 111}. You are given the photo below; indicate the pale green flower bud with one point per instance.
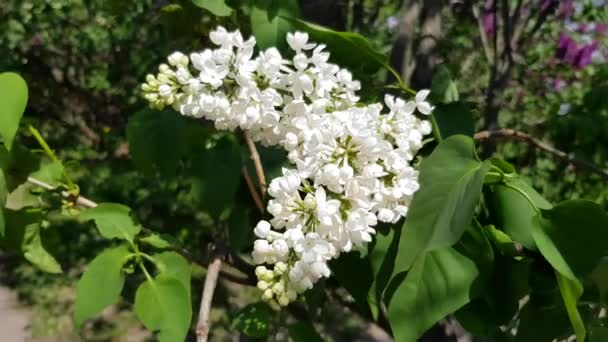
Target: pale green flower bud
{"x": 263, "y": 285}
{"x": 283, "y": 300}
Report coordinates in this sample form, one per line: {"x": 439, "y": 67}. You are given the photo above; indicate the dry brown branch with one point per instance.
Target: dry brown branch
{"x": 254, "y": 193}
{"x": 257, "y": 162}
{"x": 511, "y": 134}
{"x": 202, "y": 327}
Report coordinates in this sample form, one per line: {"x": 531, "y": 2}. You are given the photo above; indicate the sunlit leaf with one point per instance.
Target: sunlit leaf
{"x": 174, "y": 265}
{"x": 100, "y": 284}
{"x": 12, "y": 105}
{"x": 450, "y": 186}
{"x": 268, "y": 23}
{"x": 163, "y": 305}
{"x": 113, "y": 221}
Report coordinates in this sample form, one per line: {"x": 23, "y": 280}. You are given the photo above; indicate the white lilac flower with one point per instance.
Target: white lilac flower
{"x": 351, "y": 163}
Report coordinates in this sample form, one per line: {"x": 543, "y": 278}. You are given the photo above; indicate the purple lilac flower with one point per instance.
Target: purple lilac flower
{"x": 487, "y": 21}
{"x": 567, "y": 49}
{"x": 566, "y": 9}
{"x": 583, "y": 57}
{"x": 558, "y": 84}
{"x": 601, "y": 29}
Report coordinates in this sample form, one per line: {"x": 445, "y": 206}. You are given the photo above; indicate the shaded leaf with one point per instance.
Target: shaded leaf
{"x": 454, "y": 118}
{"x": 34, "y": 251}
{"x": 598, "y": 334}
{"x": 357, "y": 283}
{"x": 113, "y": 221}
{"x": 438, "y": 284}
{"x": 240, "y": 233}
{"x": 450, "y": 185}
{"x": 100, "y": 284}
{"x": 600, "y": 278}
{"x": 3, "y": 194}
{"x": 572, "y": 237}
{"x": 303, "y": 332}
{"x": 254, "y": 320}
{"x": 542, "y": 323}
{"x": 216, "y": 174}
{"x": 216, "y": 7}
{"x": 12, "y": 105}
{"x": 443, "y": 88}
{"x": 383, "y": 251}
{"x": 157, "y": 140}
{"x": 163, "y": 305}
{"x": 514, "y": 213}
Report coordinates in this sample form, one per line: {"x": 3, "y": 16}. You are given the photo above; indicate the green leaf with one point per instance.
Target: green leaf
{"x": 571, "y": 291}
{"x": 600, "y": 278}
{"x": 357, "y": 283}
{"x": 254, "y": 320}
{"x": 162, "y": 304}
{"x": 16, "y": 221}
{"x": 3, "y": 194}
{"x": 12, "y": 105}
{"x": 438, "y": 284}
{"x": 17, "y": 164}
{"x": 113, "y": 221}
{"x": 454, "y": 118}
{"x": 101, "y": 284}
{"x": 268, "y": 23}
{"x": 157, "y": 241}
{"x": 216, "y": 174}
{"x": 303, "y": 332}
{"x": 174, "y": 265}
{"x": 541, "y": 322}
{"x": 443, "y": 88}
{"x": 51, "y": 173}
{"x": 240, "y": 234}
{"x": 216, "y": 7}
{"x": 383, "y": 251}
{"x": 34, "y": 251}
{"x": 157, "y": 140}
{"x": 598, "y": 334}
{"x": 572, "y": 237}
{"x": 450, "y": 185}
{"x": 348, "y": 49}
{"x": 514, "y": 213}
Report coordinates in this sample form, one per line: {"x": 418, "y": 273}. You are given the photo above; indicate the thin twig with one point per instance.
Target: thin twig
{"x": 257, "y": 162}
{"x": 252, "y": 190}
{"x": 484, "y": 38}
{"x": 202, "y": 327}
{"x": 82, "y": 201}
{"x": 511, "y": 134}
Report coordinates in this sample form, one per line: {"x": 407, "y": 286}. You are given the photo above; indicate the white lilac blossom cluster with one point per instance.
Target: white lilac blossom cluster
{"x": 352, "y": 163}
